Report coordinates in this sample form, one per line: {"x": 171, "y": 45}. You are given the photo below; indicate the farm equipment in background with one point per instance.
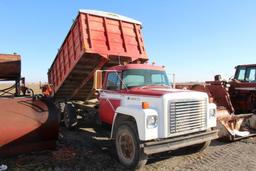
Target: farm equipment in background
{"x": 27, "y": 122}
{"x": 235, "y": 100}
{"x": 10, "y": 69}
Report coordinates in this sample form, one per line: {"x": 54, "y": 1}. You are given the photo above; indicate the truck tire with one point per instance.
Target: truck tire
{"x": 70, "y": 116}
{"x": 128, "y": 149}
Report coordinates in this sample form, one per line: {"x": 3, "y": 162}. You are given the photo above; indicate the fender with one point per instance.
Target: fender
{"x": 140, "y": 116}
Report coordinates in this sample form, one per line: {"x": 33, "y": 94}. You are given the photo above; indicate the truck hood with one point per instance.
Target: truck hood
{"x": 155, "y": 91}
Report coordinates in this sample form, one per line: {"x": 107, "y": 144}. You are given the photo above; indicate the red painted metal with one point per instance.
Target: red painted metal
{"x": 106, "y": 31}
{"x": 157, "y": 91}
{"x": 10, "y": 66}
{"x": 94, "y": 41}
{"x": 90, "y": 75}
{"x": 107, "y": 108}
{"x": 136, "y": 66}
{"x": 243, "y": 100}
{"x": 235, "y": 100}
{"x": 216, "y": 90}
{"x": 27, "y": 125}
{"x": 243, "y": 93}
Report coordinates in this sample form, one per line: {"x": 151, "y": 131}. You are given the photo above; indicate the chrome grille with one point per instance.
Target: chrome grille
{"x": 187, "y": 116}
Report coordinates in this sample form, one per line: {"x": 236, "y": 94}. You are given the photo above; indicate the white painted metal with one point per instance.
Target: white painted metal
{"x": 131, "y": 105}
{"x": 140, "y": 115}
{"x": 110, "y": 15}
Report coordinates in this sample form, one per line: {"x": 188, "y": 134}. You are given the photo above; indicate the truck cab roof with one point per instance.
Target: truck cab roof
{"x": 137, "y": 66}
{"x": 246, "y": 65}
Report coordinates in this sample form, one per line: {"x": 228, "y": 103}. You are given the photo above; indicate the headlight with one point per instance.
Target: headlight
{"x": 212, "y": 112}
{"x": 151, "y": 121}
{"x": 212, "y": 120}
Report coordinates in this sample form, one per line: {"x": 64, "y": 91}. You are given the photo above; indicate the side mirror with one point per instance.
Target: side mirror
{"x": 98, "y": 80}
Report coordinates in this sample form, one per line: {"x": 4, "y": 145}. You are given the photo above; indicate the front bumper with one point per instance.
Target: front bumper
{"x": 157, "y": 146}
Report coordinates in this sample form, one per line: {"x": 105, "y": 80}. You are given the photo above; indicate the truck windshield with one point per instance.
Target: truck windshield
{"x": 141, "y": 77}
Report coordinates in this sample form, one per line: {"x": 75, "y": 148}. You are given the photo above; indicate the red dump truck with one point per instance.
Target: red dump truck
{"x": 103, "y": 57}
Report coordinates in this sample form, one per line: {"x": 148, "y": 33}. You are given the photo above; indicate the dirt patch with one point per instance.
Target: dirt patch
{"x": 87, "y": 149}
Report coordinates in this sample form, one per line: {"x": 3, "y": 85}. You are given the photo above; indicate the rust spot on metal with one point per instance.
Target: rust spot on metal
{"x": 27, "y": 123}
{"x": 10, "y": 67}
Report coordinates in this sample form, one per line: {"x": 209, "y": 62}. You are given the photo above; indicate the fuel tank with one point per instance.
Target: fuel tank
{"x": 10, "y": 67}
{"x": 27, "y": 124}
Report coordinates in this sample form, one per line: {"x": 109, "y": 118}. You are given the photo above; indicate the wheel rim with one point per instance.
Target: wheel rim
{"x": 126, "y": 147}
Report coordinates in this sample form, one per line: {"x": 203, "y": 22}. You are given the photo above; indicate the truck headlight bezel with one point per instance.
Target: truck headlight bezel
{"x": 212, "y": 112}
{"x": 151, "y": 121}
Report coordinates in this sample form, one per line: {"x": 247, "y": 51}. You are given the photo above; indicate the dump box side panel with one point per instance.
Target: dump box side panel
{"x": 94, "y": 41}
{"x": 70, "y": 51}
{"x": 112, "y": 37}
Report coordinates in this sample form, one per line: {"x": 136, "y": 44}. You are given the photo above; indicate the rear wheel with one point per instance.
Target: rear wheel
{"x": 70, "y": 117}
{"x": 129, "y": 152}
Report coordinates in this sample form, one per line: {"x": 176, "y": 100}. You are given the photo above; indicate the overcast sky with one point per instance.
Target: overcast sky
{"x": 195, "y": 39}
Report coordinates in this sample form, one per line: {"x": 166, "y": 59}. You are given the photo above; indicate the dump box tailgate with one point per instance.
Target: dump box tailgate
{"x": 95, "y": 40}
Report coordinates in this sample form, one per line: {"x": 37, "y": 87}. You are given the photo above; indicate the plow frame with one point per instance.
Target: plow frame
{"x": 230, "y": 123}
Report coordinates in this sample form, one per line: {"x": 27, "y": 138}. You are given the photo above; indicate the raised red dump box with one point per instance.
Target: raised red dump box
{"x": 96, "y": 40}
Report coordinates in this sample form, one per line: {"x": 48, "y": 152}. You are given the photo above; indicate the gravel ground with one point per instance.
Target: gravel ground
{"x": 84, "y": 149}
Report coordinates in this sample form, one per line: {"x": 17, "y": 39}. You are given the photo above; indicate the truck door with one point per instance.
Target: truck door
{"x": 110, "y": 97}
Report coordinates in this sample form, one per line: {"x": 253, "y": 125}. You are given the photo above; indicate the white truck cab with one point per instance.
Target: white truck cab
{"x": 148, "y": 116}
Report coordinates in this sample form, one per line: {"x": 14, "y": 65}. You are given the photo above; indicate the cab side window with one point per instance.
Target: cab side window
{"x": 113, "y": 81}
{"x": 251, "y": 75}
{"x": 241, "y": 74}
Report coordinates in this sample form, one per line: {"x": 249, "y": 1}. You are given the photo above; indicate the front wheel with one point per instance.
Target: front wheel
{"x": 128, "y": 147}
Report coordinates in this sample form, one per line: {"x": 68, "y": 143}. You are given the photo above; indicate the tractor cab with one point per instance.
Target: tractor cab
{"x": 243, "y": 89}
{"x": 246, "y": 73}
